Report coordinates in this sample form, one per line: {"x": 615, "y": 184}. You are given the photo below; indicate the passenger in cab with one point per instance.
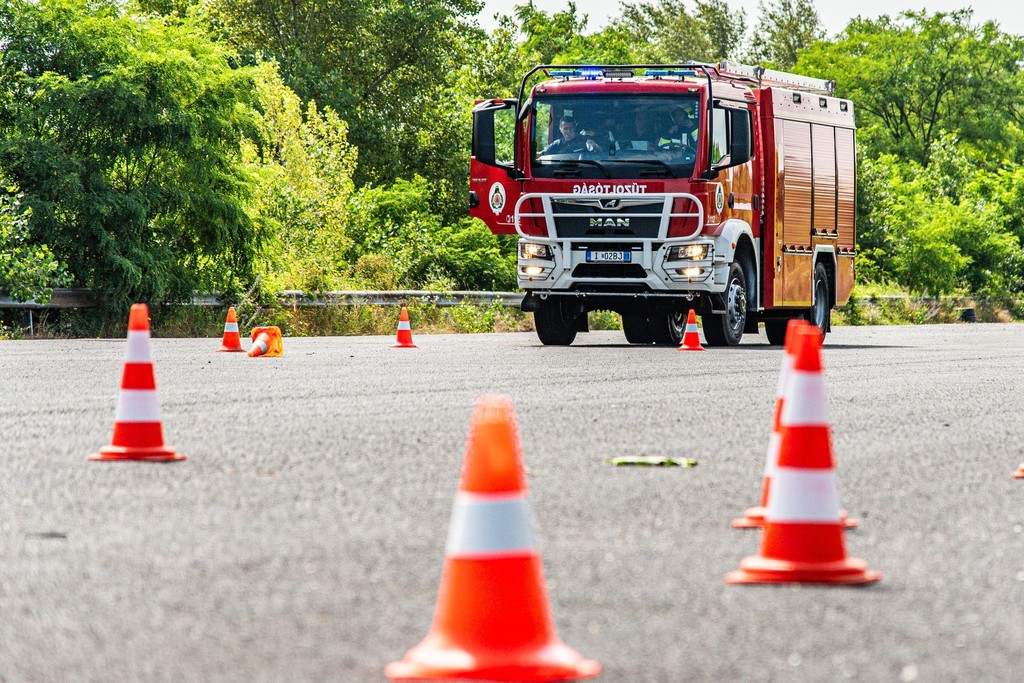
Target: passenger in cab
{"x": 645, "y": 135}
{"x": 683, "y": 130}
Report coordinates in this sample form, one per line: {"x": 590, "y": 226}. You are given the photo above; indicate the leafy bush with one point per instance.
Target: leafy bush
{"x": 28, "y": 270}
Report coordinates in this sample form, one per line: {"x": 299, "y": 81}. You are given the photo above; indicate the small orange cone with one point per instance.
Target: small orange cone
{"x": 492, "y": 620}
{"x": 404, "y": 340}
{"x": 231, "y": 340}
{"x": 1019, "y": 474}
{"x": 138, "y": 432}
{"x": 803, "y": 532}
{"x": 691, "y": 339}
{"x": 754, "y": 517}
{"x": 266, "y": 341}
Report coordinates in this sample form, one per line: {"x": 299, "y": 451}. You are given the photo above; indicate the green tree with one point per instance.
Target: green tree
{"x": 28, "y": 270}
{"x": 940, "y": 229}
{"x": 785, "y": 28}
{"x": 665, "y": 32}
{"x": 918, "y": 76}
{"x": 303, "y": 166}
{"x": 383, "y": 65}
{"x": 123, "y": 133}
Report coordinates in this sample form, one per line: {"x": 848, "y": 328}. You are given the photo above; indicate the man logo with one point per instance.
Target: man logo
{"x": 609, "y": 222}
{"x": 610, "y": 204}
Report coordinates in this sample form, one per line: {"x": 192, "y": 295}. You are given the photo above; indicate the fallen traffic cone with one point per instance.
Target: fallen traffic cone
{"x": 266, "y": 341}
{"x": 803, "y": 532}
{"x": 138, "y": 433}
{"x": 691, "y": 339}
{"x": 492, "y": 620}
{"x": 1019, "y": 474}
{"x": 404, "y": 340}
{"x": 231, "y": 340}
{"x": 754, "y": 517}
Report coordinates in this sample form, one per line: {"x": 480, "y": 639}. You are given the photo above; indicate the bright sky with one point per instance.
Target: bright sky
{"x": 834, "y": 15}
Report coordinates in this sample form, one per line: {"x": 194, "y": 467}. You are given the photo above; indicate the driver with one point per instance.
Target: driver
{"x": 570, "y": 142}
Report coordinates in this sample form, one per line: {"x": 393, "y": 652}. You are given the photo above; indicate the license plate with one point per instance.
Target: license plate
{"x": 609, "y": 257}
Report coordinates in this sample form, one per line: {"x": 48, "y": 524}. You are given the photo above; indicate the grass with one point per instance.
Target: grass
{"x": 868, "y": 306}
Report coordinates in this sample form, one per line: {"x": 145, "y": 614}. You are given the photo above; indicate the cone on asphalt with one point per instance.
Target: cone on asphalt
{"x": 754, "y": 516}
{"x": 492, "y": 620}
{"x": 266, "y": 342}
{"x": 138, "y": 431}
{"x": 231, "y": 341}
{"x": 803, "y": 532}
{"x": 404, "y": 339}
{"x": 691, "y": 338}
{"x": 1019, "y": 474}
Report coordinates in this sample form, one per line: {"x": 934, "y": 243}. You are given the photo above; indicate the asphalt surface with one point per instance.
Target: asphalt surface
{"x": 303, "y": 538}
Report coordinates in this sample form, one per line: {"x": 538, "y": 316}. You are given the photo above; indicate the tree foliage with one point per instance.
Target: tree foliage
{"x": 918, "y": 76}
{"x": 303, "y": 167}
{"x": 665, "y": 32}
{"x": 784, "y": 29}
{"x": 28, "y": 270}
{"x": 123, "y": 134}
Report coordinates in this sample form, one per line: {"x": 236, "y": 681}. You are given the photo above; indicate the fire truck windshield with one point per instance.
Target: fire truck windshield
{"x": 614, "y": 136}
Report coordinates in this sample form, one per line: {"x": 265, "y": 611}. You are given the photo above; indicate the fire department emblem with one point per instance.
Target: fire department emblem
{"x": 719, "y": 198}
{"x": 496, "y": 198}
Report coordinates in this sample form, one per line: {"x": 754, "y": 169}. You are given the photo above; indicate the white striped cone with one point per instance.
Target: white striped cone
{"x": 138, "y": 432}
{"x": 803, "y": 533}
{"x": 492, "y": 620}
{"x": 404, "y": 338}
{"x": 691, "y": 338}
{"x": 231, "y": 341}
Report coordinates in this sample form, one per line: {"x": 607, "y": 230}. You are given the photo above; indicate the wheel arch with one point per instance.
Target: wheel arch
{"x": 826, "y": 256}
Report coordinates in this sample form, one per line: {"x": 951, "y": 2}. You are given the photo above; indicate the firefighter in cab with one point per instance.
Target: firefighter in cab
{"x": 570, "y": 142}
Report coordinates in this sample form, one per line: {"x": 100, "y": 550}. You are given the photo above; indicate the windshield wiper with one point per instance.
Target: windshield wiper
{"x": 648, "y": 162}
{"x": 583, "y": 162}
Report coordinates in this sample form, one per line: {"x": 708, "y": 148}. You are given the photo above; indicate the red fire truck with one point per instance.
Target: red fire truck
{"x": 653, "y": 189}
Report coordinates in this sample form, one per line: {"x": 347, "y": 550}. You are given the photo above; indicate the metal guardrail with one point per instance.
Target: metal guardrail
{"x": 87, "y": 298}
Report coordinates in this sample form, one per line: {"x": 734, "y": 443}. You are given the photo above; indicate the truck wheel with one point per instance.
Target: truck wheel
{"x": 636, "y": 329}
{"x": 820, "y": 313}
{"x": 726, "y": 329}
{"x": 667, "y": 328}
{"x": 554, "y": 326}
{"x": 775, "y": 330}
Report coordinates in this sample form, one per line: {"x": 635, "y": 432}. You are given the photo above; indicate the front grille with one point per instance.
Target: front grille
{"x": 607, "y": 218}
{"x": 624, "y": 270}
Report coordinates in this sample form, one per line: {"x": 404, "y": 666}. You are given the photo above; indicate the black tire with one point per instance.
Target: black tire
{"x": 636, "y": 329}
{"x": 820, "y": 312}
{"x": 775, "y": 330}
{"x": 726, "y": 329}
{"x": 554, "y": 326}
{"x": 667, "y": 329}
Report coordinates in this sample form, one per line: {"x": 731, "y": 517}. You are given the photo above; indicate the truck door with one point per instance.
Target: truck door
{"x": 493, "y": 187}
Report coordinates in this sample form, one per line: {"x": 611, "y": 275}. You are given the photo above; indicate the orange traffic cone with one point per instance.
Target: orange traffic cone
{"x": 754, "y": 517}
{"x": 231, "y": 340}
{"x": 1019, "y": 474}
{"x": 138, "y": 433}
{"x": 266, "y": 341}
{"x": 691, "y": 339}
{"x": 803, "y": 532}
{"x": 404, "y": 340}
{"x": 492, "y": 620}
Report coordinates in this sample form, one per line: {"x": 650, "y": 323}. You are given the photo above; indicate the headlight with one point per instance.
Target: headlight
{"x": 689, "y": 252}
{"x": 690, "y": 272}
{"x": 533, "y": 271}
{"x": 531, "y": 250}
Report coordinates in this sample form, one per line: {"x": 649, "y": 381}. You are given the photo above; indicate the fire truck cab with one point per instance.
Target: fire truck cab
{"x": 653, "y": 189}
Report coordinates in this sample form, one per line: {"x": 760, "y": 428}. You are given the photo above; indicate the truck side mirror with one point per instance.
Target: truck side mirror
{"x": 494, "y": 124}
{"x": 740, "y": 148}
